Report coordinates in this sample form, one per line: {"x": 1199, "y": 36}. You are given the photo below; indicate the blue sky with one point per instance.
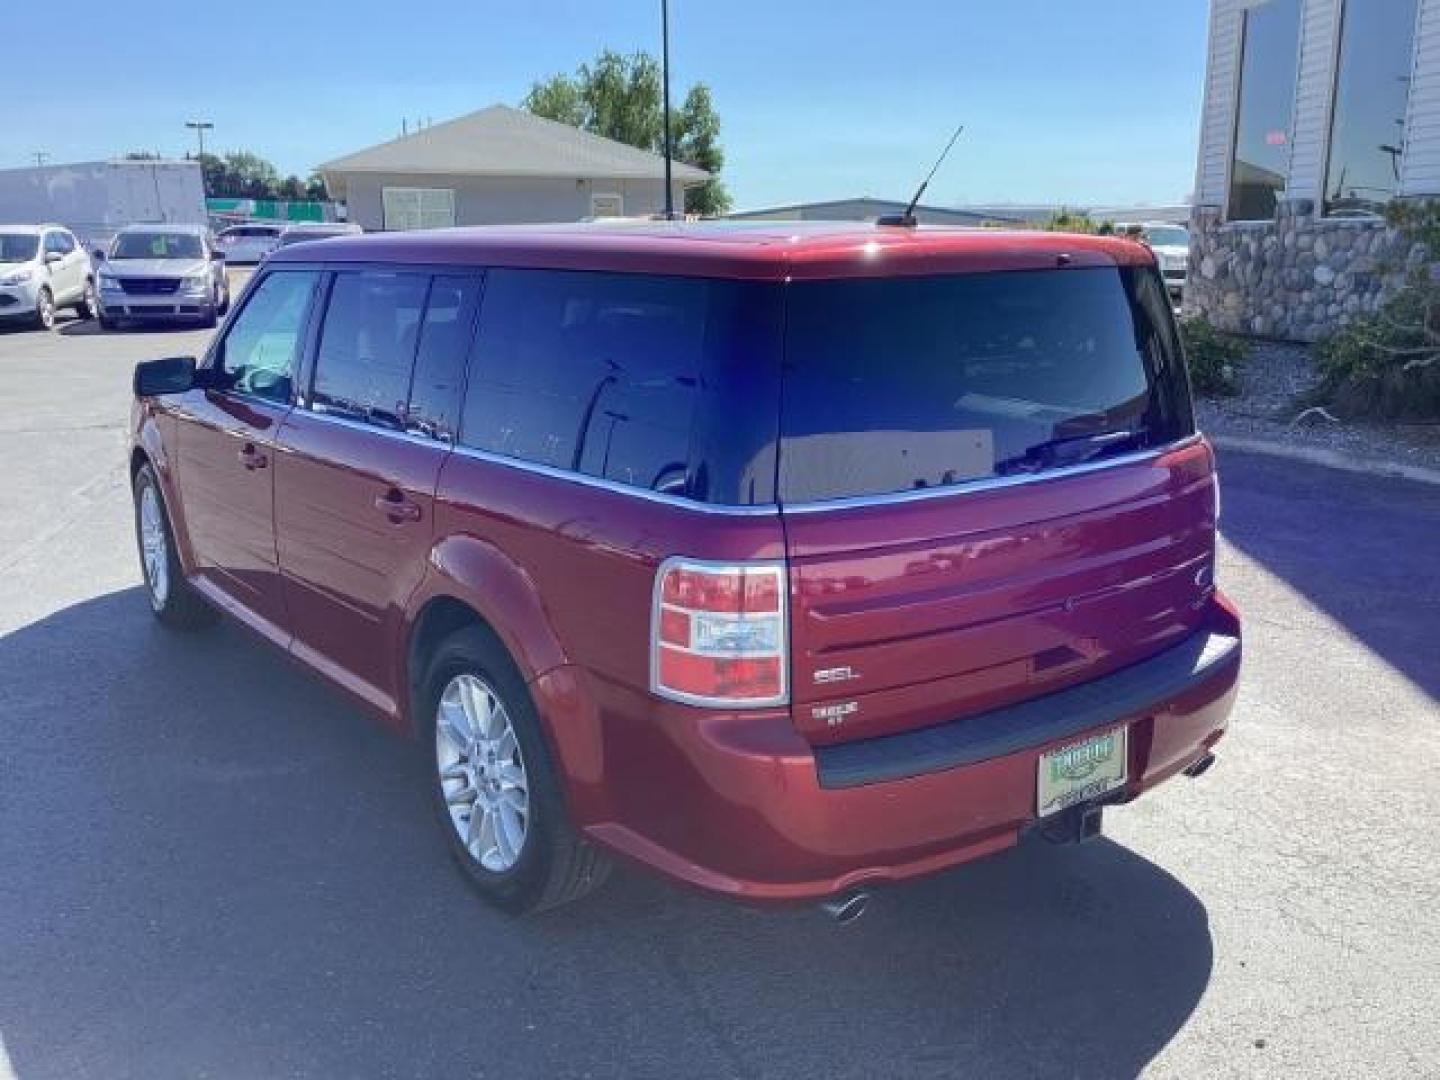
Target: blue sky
{"x": 1091, "y": 102}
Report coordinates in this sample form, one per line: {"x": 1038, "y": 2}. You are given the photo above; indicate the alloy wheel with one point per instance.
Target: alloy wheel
{"x": 154, "y": 547}
{"x": 482, "y": 772}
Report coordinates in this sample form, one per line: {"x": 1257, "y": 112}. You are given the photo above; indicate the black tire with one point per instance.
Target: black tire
{"x": 44, "y": 317}
{"x": 554, "y": 865}
{"x": 89, "y": 305}
{"x": 224, "y": 308}
{"x": 108, "y": 323}
{"x": 209, "y": 319}
{"x": 179, "y": 606}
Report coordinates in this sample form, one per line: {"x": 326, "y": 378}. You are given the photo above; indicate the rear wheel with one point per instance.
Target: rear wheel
{"x": 172, "y": 599}
{"x": 107, "y": 323}
{"x": 494, "y": 788}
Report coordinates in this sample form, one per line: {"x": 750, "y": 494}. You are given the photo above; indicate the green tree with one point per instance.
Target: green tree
{"x": 621, "y": 98}
{"x": 696, "y": 136}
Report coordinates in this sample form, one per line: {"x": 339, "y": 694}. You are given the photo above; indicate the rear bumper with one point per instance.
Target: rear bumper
{"x": 741, "y": 805}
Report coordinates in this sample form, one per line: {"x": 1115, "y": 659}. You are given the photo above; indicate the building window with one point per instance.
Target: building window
{"x": 1372, "y": 89}
{"x": 603, "y": 206}
{"x": 418, "y": 208}
{"x": 1264, "y": 119}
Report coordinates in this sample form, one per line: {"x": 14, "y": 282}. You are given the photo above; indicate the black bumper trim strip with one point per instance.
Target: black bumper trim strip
{"x": 1137, "y": 689}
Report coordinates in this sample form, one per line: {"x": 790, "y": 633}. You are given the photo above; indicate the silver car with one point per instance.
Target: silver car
{"x": 165, "y": 272}
{"x": 42, "y": 269}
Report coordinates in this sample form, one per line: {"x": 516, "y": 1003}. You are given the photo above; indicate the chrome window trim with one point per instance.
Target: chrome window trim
{"x": 760, "y": 510}
{"x": 374, "y": 429}
{"x": 989, "y": 483}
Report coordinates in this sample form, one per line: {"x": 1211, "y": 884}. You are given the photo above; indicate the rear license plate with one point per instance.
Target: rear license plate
{"x": 1081, "y": 771}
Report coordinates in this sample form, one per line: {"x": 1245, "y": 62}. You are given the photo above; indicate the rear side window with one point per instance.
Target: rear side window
{"x": 898, "y": 384}
{"x": 445, "y": 337}
{"x": 367, "y": 347}
{"x": 603, "y": 374}
{"x": 258, "y": 353}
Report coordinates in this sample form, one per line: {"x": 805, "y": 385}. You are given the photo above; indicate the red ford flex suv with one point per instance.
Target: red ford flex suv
{"x": 785, "y": 561}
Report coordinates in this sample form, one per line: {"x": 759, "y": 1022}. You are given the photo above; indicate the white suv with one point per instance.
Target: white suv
{"x": 43, "y": 268}
{"x": 165, "y": 272}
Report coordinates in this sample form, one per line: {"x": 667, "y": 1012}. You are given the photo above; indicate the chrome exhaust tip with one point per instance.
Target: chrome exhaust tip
{"x": 1200, "y": 767}
{"x": 846, "y": 907}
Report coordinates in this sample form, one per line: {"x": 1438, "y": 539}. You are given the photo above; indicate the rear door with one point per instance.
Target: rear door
{"x": 991, "y": 490}
{"x": 227, "y": 436}
{"x": 358, "y": 466}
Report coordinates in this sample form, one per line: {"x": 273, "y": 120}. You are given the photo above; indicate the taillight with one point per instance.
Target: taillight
{"x": 717, "y": 633}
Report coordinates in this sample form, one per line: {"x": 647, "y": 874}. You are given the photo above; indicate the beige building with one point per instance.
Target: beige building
{"x": 501, "y": 166}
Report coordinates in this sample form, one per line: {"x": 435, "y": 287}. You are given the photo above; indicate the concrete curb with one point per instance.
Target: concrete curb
{"x": 1330, "y": 459}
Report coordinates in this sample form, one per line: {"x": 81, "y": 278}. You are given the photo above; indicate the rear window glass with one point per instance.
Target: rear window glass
{"x": 603, "y": 374}
{"x": 899, "y": 384}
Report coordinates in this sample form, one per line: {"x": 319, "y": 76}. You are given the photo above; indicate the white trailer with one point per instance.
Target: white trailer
{"x": 96, "y": 198}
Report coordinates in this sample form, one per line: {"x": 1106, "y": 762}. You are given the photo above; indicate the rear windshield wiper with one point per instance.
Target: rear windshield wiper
{"x": 1071, "y": 450}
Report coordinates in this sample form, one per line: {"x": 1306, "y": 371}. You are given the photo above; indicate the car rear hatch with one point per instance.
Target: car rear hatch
{"x": 992, "y": 490}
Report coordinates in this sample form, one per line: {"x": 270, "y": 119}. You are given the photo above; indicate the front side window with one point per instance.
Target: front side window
{"x": 902, "y": 384}
{"x": 158, "y": 245}
{"x": 407, "y": 208}
{"x": 1264, "y": 121}
{"x": 367, "y": 347}
{"x": 1372, "y": 91}
{"x": 591, "y": 372}
{"x": 258, "y": 353}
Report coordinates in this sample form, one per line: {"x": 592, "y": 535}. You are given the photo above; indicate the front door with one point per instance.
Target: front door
{"x": 67, "y": 270}
{"x": 358, "y": 465}
{"x": 227, "y": 444}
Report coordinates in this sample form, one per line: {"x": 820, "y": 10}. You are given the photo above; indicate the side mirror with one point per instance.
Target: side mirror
{"x": 217, "y": 255}
{"x": 172, "y": 375}
{"x": 54, "y": 257}
{"x": 98, "y": 255}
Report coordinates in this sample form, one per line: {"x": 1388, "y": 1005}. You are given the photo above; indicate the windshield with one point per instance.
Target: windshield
{"x": 1168, "y": 236}
{"x": 157, "y": 245}
{"x": 18, "y": 247}
{"x": 894, "y": 384}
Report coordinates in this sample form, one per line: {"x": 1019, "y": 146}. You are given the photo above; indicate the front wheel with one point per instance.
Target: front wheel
{"x": 45, "y": 310}
{"x": 89, "y": 305}
{"x": 494, "y": 789}
{"x": 172, "y": 599}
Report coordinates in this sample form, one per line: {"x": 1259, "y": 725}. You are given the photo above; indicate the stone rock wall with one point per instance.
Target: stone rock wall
{"x": 1297, "y": 278}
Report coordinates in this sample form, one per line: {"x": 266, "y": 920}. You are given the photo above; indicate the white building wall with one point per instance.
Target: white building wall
{"x": 1420, "y": 169}
{"x": 1217, "y": 117}
{"x": 1320, "y": 22}
{"x": 1314, "y": 80}
{"x": 501, "y": 200}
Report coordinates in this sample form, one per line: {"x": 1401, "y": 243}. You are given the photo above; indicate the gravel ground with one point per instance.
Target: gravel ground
{"x": 1273, "y": 376}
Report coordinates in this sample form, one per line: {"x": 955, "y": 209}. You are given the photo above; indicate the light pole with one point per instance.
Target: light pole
{"x": 665, "y": 78}
{"x": 199, "y": 127}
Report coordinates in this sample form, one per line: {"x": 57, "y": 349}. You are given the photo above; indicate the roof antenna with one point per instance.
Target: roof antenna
{"x": 907, "y": 219}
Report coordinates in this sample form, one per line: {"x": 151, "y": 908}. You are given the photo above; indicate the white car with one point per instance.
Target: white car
{"x": 42, "y": 269}
{"x": 167, "y": 272}
{"x": 305, "y": 231}
{"x": 248, "y": 243}
{"x": 1171, "y": 244}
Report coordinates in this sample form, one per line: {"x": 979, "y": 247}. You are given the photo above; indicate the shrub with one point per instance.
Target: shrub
{"x": 1387, "y": 364}
{"x": 1213, "y": 358}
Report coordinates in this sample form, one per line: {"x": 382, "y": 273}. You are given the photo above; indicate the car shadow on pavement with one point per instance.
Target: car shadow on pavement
{"x": 214, "y": 866}
{"x": 1361, "y": 548}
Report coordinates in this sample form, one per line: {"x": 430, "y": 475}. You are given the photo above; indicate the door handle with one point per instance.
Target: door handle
{"x": 252, "y": 457}
{"x": 394, "y": 505}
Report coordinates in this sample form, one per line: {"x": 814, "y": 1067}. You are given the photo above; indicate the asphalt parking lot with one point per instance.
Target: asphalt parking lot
{"x": 210, "y": 866}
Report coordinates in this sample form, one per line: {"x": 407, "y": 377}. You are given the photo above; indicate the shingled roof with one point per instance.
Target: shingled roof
{"x": 501, "y": 141}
